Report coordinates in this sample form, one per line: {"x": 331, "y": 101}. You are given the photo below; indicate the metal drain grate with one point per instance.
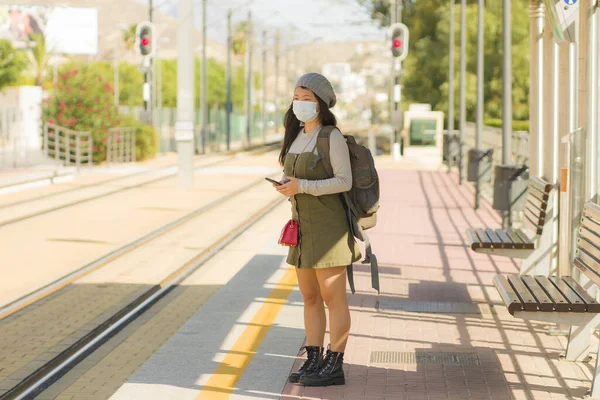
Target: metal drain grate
{"x": 408, "y": 357}
{"x": 434, "y": 307}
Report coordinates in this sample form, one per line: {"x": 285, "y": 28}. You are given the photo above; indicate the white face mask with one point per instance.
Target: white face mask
{"x": 305, "y": 111}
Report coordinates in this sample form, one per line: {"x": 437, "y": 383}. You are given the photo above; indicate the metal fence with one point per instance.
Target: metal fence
{"x": 215, "y": 138}
{"x": 13, "y": 144}
{"x": 68, "y": 147}
{"x": 120, "y": 145}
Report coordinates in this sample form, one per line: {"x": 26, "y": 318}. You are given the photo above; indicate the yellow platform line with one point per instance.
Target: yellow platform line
{"x": 222, "y": 382}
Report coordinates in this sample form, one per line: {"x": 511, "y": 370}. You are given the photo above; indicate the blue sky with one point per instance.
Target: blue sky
{"x": 303, "y": 20}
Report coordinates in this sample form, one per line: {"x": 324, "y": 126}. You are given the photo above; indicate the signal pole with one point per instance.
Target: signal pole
{"x": 149, "y": 75}
{"x": 397, "y": 150}
{"x": 184, "y": 127}
{"x": 204, "y": 84}
{"x": 249, "y": 113}
{"x": 228, "y": 105}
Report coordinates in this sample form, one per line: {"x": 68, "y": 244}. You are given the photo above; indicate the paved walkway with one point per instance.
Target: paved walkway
{"x": 439, "y": 329}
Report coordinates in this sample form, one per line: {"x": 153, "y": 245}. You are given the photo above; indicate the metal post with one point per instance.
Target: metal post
{"x": 249, "y": 113}
{"x": 591, "y": 131}
{"x": 463, "y": 86}
{"x": 264, "y": 88}
{"x": 184, "y": 127}
{"x": 149, "y": 73}
{"x": 203, "y": 84}
{"x": 506, "y": 84}
{"x": 506, "y": 91}
{"x": 451, "y": 73}
{"x": 480, "y": 79}
{"x": 277, "y": 55}
{"x": 116, "y": 72}
{"x": 228, "y": 104}
{"x": 536, "y": 90}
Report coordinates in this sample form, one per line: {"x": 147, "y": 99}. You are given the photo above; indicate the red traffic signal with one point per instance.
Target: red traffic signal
{"x": 144, "y": 43}
{"x": 398, "y": 35}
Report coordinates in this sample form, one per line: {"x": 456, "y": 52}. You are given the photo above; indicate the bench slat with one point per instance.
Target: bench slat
{"x": 577, "y": 304}
{"x": 534, "y": 219}
{"x": 510, "y": 298}
{"x": 544, "y": 302}
{"x": 475, "y": 243}
{"x": 529, "y": 302}
{"x": 508, "y": 243}
{"x": 496, "y": 241}
{"x": 591, "y": 250}
{"x": 537, "y": 203}
{"x": 526, "y": 243}
{"x": 589, "y": 236}
{"x": 588, "y": 265}
{"x": 590, "y": 225}
{"x": 541, "y": 196}
{"x": 592, "y": 210}
{"x": 483, "y": 238}
{"x": 540, "y": 184}
{"x": 591, "y": 304}
{"x": 558, "y": 299}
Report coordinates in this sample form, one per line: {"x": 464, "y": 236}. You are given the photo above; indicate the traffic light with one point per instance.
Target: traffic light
{"x": 145, "y": 39}
{"x": 399, "y": 40}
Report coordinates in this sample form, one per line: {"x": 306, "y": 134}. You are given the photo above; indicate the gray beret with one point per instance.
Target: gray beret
{"x": 320, "y": 86}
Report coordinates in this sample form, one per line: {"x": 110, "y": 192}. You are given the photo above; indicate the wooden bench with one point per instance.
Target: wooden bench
{"x": 533, "y": 242}
{"x": 563, "y": 300}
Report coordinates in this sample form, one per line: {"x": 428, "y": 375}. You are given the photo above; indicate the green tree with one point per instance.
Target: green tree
{"x": 426, "y": 68}
{"x": 12, "y": 64}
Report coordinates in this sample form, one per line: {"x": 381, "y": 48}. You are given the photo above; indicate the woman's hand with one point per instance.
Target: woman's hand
{"x": 290, "y": 188}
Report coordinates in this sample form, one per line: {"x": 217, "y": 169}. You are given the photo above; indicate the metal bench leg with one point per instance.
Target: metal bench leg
{"x": 579, "y": 341}
{"x": 595, "y": 394}
{"x": 540, "y": 261}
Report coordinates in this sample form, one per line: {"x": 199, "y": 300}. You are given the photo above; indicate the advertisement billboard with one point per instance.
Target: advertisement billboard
{"x": 68, "y": 30}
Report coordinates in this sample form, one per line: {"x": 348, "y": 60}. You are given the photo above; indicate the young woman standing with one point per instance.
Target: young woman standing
{"x": 326, "y": 246}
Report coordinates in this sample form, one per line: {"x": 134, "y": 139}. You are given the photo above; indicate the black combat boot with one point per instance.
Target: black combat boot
{"x": 329, "y": 373}
{"x": 313, "y": 359}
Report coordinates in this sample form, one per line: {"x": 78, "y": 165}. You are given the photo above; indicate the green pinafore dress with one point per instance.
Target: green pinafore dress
{"x": 325, "y": 238}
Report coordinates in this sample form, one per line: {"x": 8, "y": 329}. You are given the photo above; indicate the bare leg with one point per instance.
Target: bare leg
{"x": 332, "y": 282}
{"x": 314, "y": 309}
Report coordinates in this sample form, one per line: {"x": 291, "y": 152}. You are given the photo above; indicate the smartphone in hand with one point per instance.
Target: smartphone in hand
{"x": 274, "y": 182}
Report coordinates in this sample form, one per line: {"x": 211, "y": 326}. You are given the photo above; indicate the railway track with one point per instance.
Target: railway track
{"x": 163, "y": 172}
{"x": 36, "y": 380}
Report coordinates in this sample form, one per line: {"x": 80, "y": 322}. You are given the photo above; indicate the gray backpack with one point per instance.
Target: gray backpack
{"x": 362, "y": 201}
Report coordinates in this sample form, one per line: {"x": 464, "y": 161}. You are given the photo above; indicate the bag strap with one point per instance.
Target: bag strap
{"x": 323, "y": 146}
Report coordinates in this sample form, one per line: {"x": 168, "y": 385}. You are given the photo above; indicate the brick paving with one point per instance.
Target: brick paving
{"x": 426, "y": 266}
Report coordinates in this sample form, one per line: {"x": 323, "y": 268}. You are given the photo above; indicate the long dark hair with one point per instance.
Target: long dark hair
{"x": 292, "y": 125}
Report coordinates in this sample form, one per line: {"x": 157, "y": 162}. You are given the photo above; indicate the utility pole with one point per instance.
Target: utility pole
{"x": 184, "y": 127}
{"x": 228, "y": 104}
{"x": 148, "y": 75}
{"x": 116, "y": 72}
{"x": 249, "y": 113}
{"x": 480, "y": 77}
{"x": 463, "y": 87}
{"x": 203, "y": 84}
{"x": 397, "y": 92}
{"x": 277, "y": 56}
{"x": 264, "y": 88}
{"x": 451, "y": 73}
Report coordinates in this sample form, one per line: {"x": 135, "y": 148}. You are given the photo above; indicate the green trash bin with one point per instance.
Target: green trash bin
{"x": 417, "y": 131}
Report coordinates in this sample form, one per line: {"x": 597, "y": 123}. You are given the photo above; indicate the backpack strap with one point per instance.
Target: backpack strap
{"x": 323, "y": 146}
